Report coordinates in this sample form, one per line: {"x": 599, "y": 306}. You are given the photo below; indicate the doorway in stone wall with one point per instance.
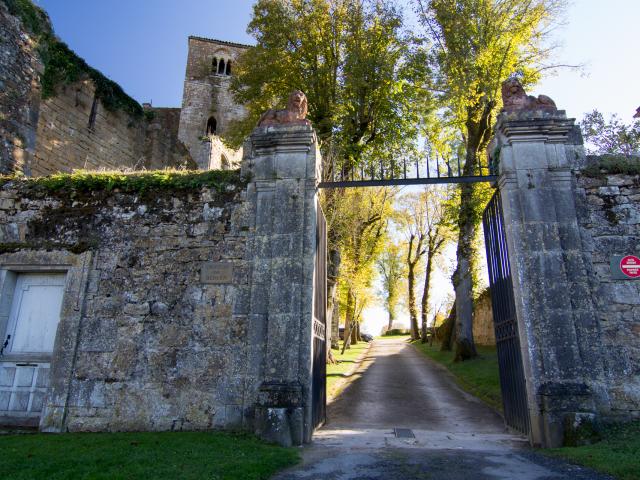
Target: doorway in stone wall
{"x": 31, "y": 305}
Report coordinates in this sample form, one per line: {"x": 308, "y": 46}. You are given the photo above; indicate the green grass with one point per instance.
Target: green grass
{"x": 148, "y": 456}
{"x": 338, "y": 371}
{"x": 129, "y": 182}
{"x": 479, "y": 376}
{"x": 395, "y": 335}
{"x": 618, "y": 453}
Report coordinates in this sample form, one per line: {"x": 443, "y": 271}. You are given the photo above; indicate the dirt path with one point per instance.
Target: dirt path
{"x": 451, "y": 436}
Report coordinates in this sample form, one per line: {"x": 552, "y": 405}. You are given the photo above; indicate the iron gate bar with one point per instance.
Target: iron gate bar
{"x": 512, "y": 380}
{"x": 408, "y": 181}
{"x": 319, "y": 365}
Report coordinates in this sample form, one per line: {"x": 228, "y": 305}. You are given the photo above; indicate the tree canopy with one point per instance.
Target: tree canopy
{"x": 363, "y": 78}
{"x": 612, "y": 137}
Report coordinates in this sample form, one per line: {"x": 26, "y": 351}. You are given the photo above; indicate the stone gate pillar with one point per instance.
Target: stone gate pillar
{"x": 283, "y": 164}
{"x": 535, "y": 150}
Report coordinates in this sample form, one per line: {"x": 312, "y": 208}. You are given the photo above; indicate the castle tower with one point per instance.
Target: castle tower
{"x": 208, "y": 107}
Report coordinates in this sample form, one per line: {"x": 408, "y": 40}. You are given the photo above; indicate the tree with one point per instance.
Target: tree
{"x": 613, "y": 137}
{"x": 360, "y": 219}
{"x": 437, "y": 234}
{"x": 474, "y": 46}
{"x": 411, "y": 219}
{"x": 363, "y": 80}
{"x": 392, "y": 270}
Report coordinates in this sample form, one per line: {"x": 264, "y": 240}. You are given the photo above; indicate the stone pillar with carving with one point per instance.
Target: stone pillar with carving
{"x": 536, "y": 148}
{"x": 282, "y": 161}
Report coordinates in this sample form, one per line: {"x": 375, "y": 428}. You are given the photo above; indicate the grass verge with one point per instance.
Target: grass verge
{"x": 479, "y": 377}
{"x": 148, "y": 455}
{"x": 337, "y": 373}
{"x": 618, "y": 453}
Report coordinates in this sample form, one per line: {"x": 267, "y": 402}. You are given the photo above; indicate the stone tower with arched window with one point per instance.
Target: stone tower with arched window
{"x": 208, "y": 107}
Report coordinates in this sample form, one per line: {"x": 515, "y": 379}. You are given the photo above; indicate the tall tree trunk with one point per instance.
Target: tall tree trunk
{"x": 478, "y": 132}
{"x": 348, "y": 321}
{"x": 333, "y": 311}
{"x": 413, "y": 311}
{"x": 425, "y": 295}
{"x": 392, "y": 318}
{"x": 354, "y": 333}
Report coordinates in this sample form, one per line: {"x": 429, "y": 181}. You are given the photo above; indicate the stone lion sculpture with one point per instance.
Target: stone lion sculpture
{"x": 515, "y": 98}
{"x": 294, "y": 114}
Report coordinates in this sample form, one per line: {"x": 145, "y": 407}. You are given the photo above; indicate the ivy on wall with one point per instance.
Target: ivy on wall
{"x": 63, "y": 66}
{"x": 81, "y": 181}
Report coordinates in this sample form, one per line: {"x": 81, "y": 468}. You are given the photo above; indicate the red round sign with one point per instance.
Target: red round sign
{"x": 630, "y": 266}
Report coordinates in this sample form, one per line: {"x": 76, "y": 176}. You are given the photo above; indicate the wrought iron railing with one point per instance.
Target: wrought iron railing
{"x": 434, "y": 170}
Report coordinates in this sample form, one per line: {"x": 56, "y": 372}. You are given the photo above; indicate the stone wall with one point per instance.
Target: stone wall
{"x": 72, "y": 129}
{"x": 70, "y": 137}
{"x": 162, "y": 148}
{"x": 207, "y": 95}
{"x": 483, "y": 329}
{"x": 20, "y": 67}
{"x": 75, "y": 131}
{"x": 156, "y": 282}
{"x": 609, "y": 217}
{"x": 183, "y": 308}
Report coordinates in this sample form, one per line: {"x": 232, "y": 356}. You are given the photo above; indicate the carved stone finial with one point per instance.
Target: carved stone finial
{"x": 294, "y": 114}
{"x": 514, "y": 98}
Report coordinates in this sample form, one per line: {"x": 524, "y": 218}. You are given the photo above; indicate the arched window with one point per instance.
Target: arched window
{"x": 212, "y": 126}
{"x": 221, "y": 67}
{"x": 228, "y": 67}
{"x": 214, "y": 65}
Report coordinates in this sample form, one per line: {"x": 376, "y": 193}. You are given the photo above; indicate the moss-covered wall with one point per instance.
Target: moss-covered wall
{"x": 158, "y": 338}
{"x": 58, "y": 114}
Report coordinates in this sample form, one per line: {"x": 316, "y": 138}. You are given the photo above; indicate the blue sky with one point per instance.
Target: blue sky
{"x": 142, "y": 44}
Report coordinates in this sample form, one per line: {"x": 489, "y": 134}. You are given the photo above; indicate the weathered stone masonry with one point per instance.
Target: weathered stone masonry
{"x": 72, "y": 129}
{"x": 182, "y": 309}
{"x": 577, "y": 325}
{"x": 609, "y": 218}
{"x": 145, "y": 341}
{"x": 20, "y": 70}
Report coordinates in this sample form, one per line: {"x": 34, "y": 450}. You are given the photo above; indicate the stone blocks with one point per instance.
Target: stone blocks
{"x": 561, "y": 229}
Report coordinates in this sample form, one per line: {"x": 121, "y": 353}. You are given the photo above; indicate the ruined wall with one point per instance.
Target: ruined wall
{"x": 483, "y": 330}
{"x": 20, "y": 67}
{"x": 162, "y": 340}
{"x": 76, "y": 131}
{"x": 70, "y": 136}
{"x": 608, "y": 209}
{"x": 71, "y": 128}
{"x": 207, "y": 95}
{"x": 161, "y": 146}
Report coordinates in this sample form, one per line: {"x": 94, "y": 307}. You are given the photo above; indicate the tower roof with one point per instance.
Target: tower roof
{"x": 219, "y": 42}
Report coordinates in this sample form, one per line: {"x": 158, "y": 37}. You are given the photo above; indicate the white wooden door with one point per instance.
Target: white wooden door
{"x": 30, "y": 334}
{"x": 35, "y": 312}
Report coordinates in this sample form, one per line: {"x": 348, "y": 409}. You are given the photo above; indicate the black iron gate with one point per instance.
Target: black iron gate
{"x": 512, "y": 381}
{"x": 319, "y": 368}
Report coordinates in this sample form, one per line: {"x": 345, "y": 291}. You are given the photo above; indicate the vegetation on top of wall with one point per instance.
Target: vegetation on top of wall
{"x": 613, "y": 164}
{"x": 33, "y": 18}
{"x": 134, "y": 182}
{"x": 63, "y": 66}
